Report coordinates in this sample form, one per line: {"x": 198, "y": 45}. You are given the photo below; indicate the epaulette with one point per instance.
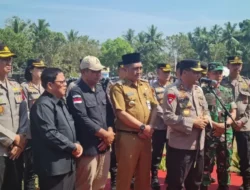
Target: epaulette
{"x": 144, "y": 80}
{"x": 120, "y": 82}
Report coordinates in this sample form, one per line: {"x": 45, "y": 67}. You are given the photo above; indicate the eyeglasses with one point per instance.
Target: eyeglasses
{"x": 6, "y": 59}
{"x": 61, "y": 81}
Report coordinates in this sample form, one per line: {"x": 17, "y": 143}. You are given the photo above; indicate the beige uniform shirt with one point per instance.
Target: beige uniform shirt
{"x": 32, "y": 92}
{"x": 181, "y": 107}
{"x": 241, "y": 93}
{"x": 136, "y": 100}
{"x": 158, "y": 122}
{"x": 10, "y": 99}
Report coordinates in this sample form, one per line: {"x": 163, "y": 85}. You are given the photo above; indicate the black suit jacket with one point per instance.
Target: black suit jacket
{"x": 53, "y": 136}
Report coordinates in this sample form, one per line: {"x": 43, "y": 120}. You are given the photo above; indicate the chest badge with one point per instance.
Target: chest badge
{"x": 131, "y": 103}
{"x": 1, "y": 110}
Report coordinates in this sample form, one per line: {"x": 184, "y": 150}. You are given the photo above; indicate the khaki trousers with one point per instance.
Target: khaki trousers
{"x": 133, "y": 158}
{"x": 92, "y": 171}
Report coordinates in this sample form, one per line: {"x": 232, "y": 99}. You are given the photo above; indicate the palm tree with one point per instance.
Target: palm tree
{"x": 16, "y": 24}
{"x": 41, "y": 28}
{"x": 229, "y": 37}
{"x": 72, "y": 35}
{"x": 130, "y": 36}
{"x": 215, "y": 34}
{"x": 155, "y": 37}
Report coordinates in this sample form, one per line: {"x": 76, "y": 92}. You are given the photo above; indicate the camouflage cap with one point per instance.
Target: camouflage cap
{"x": 215, "y": 66}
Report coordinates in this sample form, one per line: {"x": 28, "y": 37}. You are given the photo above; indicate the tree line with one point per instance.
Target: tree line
{"x": 36, "y": 40}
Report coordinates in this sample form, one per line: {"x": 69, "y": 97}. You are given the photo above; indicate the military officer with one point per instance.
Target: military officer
{"x": 241, "y": 92}
{"x": 215, "y": 139}
{"x": 186, "y": 114}
{"x": 32, "y": 90}
{"x": 133, "y": 100}
{"x": 159, "y": 135}
{"x": 12, "y": 133}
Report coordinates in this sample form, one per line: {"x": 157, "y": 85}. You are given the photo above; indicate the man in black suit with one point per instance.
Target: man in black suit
{"x": 53, "y": 135}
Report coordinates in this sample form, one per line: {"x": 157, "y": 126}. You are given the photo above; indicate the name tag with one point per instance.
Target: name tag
{"x": 148, "y": 104}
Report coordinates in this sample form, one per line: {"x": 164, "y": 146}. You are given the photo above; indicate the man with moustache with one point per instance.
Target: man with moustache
{"x": 241, "y": 93}
{"x": 186, "y": 114}
{"x": 132, "y": 100}
{"x": 87, "y": 102}
{"x": 53, "y": 135}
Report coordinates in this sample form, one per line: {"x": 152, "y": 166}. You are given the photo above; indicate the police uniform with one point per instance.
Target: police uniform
{"x": 215, "y": 146}
{"x": 159, "y": 135}
{"x": 32, "y": 92}
{"x": 10, "y": 99}
{"x": 132, "y": 152}
{"x": 181, "y": 107}
{"x": 241, "y": 93}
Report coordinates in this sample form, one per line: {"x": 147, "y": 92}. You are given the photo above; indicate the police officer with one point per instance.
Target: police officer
{"x": 32, "y": 89}
{"x": 186, "y": 114}
{"x": 241, "y": 93}
{"x": 12, "y": 134}
{"x": 133, "y": 100}
{"x": 215, "y": 139}
{"x": 159, "y": 135}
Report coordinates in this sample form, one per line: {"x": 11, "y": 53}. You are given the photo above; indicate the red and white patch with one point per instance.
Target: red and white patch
{"x": 171, "y": 98}
{"x": 77, "y": 99}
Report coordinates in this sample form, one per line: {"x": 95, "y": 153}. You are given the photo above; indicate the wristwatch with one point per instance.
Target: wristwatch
{"x": 142, "y": 127}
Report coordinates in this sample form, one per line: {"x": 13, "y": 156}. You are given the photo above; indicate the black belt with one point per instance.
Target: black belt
{"x": 124, "y": 131}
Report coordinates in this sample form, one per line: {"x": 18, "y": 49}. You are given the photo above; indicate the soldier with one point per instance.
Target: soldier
{"x": 241, "y": 93}
{"x": 133, "y": 100}
{"x": 159, "y": 135}
{"x": 32, "y": 90}
{"x": 12, "y": 134}
{"x": 186, "y": 114}
{"x": 215, "y": 139}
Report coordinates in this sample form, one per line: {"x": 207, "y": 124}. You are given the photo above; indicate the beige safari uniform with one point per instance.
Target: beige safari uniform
{"x": 181, "y": 107}
{"x": 241, "y": 93}
{"x": 10, "y": 99}
{"x": 133, "y": 153}
{"x": 159, "y": 90}
{"x": 32, "y": 92}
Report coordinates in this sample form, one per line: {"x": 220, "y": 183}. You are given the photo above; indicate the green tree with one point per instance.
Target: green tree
{"x": 17, "y": 24}
{"x": 130, "y": 36}
{"x": 112, "y": 51}
{"x": 72, "y": 35}
{"x": 19, "y": 44}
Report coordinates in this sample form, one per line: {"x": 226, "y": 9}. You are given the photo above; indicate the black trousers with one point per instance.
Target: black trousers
{"x": 181, "y": 171}
{"x": 243, "y": 147}
{"x": 59, "y": 182}
{"x": 11, "y": 173}
{"x": 113, "y": 164}
{"x": 158, "y": 142}
{"x": 29, "y": 174}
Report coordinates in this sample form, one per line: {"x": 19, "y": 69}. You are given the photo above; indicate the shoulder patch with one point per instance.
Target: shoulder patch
{"x": 171, "y": 97}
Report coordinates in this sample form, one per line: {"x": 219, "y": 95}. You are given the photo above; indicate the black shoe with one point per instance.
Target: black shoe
{"x": 203, "y": 187}
{"x": 241, "y": 187}
{"x": 132, "y": 185}
{"x": 155, "y": 184}
{"x": 212, "y": 180}
{"x": 113, "y": 185}
{"x": 223, "y": 187}
{"x": 166, "y": 180}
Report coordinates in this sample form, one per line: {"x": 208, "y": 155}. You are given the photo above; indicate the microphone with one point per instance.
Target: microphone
{"x": 207, "y": 81}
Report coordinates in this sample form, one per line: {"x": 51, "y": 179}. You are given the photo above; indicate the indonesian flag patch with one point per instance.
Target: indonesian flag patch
{"x": 171, "y": 98}
{"x": 77, "y": 99}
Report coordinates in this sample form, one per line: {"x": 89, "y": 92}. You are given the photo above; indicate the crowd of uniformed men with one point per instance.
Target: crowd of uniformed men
{"x": 72, "y": 137}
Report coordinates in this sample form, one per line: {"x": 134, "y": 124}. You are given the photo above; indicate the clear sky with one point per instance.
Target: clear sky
{"x": 103, "y": 19}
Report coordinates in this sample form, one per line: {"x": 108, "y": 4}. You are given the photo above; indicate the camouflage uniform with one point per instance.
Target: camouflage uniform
{"x": 215, "y": 146}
